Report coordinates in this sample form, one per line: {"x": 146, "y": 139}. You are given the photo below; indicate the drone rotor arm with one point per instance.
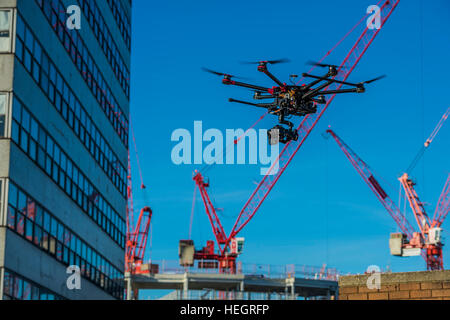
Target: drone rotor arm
{"x": 353, "y": 90}
{"x": 261, "y": 97}
{"x": 319, "y": 101}
{"x": 263, "y": 69}
{"x": 332, "y": 80}
{"x": 260, "y": 105}
{"x": 312, "y": 84}
{"x": 245, "y": 85}
{"x": 314, "y": 92}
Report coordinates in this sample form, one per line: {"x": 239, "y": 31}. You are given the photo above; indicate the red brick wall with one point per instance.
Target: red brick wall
{"x": 432, "y": 285}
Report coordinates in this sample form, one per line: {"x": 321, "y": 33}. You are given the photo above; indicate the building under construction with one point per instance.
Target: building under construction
{"x": 248, "y": 282}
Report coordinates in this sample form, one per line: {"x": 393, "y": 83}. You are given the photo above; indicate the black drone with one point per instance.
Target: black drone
{"x": 292, "y": 100}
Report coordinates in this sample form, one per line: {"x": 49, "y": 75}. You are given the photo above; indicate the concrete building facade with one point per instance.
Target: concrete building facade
{"x": 64, "y": 107}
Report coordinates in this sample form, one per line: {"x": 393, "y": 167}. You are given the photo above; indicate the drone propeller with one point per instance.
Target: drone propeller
{"x": 267, "y": 62}
{"x": 223, "y": 74}
{"x": 324, "y": 65}
{"x": 373, "y": 80}
{"x": 218, "y": 73}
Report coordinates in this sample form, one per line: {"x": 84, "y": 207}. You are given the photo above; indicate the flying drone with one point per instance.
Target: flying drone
{"x": 292, "y": 100}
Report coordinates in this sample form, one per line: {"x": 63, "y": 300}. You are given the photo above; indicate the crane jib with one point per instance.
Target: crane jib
{"x": 377, "y": 187}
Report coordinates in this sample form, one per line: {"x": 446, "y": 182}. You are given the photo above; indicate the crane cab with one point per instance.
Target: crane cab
{"x": 186, "y": 252}
{"x": 236, "y": 246}
{"x": 435, "y": 236}
{"x": 396, "y": 243}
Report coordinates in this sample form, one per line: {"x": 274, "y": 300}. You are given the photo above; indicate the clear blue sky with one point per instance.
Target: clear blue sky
{"x": 320, "y": 211}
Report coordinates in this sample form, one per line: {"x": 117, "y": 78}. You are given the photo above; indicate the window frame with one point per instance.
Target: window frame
{"x": 6, "y": 118}
{"x": 10, "y": 48}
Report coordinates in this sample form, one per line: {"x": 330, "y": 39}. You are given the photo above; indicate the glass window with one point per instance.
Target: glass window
{"x": 26, "y": 120}
{"x": 5, "y": 31}
{"x": 54, "y": 227}
{"x": 29, "y": 39}
{"x": 8, "y": 283}
{"x": 32, "y": 151}
{"x": 29, "y": 229}
{"x": 38, "y": 217}
{"x": 36, "y": 71}
{"x": 52, "y": 245}
{"x": 78, "y": 246}
{"x": 56, "y": 154}
{"x": 35, "y": 293}
{"x": 20, "y": 223}
{"x": 44, "y": 240}
{"x": 67, "y": 237}
{"x": 12, "y": 195}
{"x": 37, "y": 235}
{"x": 94, "y": 259}
{"x": 66, "y": 255}
{"x": 15, "y": 131}
{"x": 27, "y": 60}
{"x": 60, "y": 233}
{"x": 24, "y": 141}
{"x": 11, "y": 219}
{"x": 83, "y": 250}
{"x": 20, "y": 28}
{"x": 19, "y": 49}
{"x": 49, "y": 145}
{"x": 45, "y": 61}
{"x": 46, "y": 221}
{"x": 41, "y": 157}
{"x": 37, "y": 52}
{"x": 18, "y": 288}
{"x": 73, "y": 243}
{"x": 31, "y": 208}
{"x": 59, "y": 251}
{"x": 69, "y": 168}
{"x": 89, "y": 255}
{"x": 63, "y": 163}
{"x": 52, "y": 73}
{"x": 41, "y": 136}
{"x": 58, "y": 83}
{"x": 44, "y": 85}
{"x": 3, "y": 101}
{"x": 34, "y": 129}
{"x": 65, "y": 92}
{"x": 22, "y": 205}
{"x": 43, "y": 296}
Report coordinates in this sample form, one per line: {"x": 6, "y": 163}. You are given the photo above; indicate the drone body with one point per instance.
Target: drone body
{"x": 292, "y": 100}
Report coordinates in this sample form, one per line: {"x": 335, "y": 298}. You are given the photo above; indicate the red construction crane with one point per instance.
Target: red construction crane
{"x": 137, "y": 234}
{"x": 428, "y": 141}
{"x": 137, "y": 241}
{"x": 227, "y": 257}
{"x": 428, "y": 240}
{"x": 428, "y": 228}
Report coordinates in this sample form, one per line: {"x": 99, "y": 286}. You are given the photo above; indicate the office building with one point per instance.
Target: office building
{"x": 64, "y": 114}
